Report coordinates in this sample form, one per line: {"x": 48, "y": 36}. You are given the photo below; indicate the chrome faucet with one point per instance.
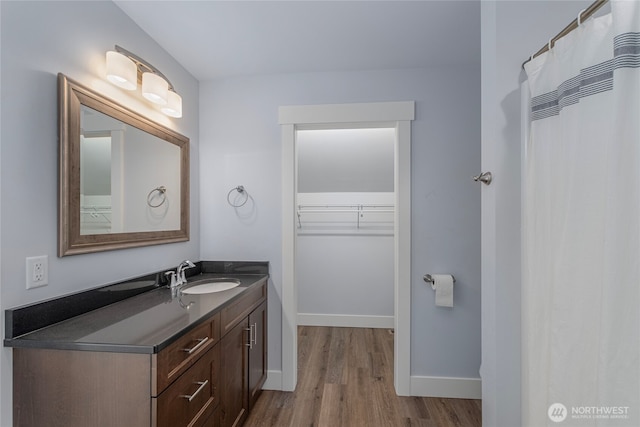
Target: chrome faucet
{"x": 178, "y": 278}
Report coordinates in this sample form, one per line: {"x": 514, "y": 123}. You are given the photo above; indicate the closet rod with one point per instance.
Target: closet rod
{"x": 361, "y": 205}
{"x": 584, "y": 14}
{"x": 300, "y": 211}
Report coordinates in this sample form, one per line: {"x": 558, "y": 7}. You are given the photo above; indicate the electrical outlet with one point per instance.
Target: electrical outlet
{"x": 37, "y": 271}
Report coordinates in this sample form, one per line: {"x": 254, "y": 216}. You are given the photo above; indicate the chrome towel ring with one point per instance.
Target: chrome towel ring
{"x": 240, "y": 189}
{"x": 162, "y": 195}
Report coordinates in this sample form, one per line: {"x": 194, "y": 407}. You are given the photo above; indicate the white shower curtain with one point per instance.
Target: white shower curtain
{"x": 581, "y": 238}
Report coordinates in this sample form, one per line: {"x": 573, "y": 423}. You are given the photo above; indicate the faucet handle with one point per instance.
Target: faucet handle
{"x": 185, "y": 265}
{"x": 171, "y": 275}
{"x": 180, "y": 271}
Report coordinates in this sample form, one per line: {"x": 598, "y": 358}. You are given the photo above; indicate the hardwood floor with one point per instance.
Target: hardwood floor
{"x": 345, "y": 379}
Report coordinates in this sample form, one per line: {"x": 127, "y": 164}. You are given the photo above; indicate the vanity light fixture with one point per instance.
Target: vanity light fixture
{"x": 126, "y": 70}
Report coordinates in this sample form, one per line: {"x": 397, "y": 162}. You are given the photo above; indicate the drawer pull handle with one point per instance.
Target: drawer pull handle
{"x": 201, "y": 342}
{"x": 255, "y": 334}
{"x": 202, "y": 385}
{"x": 250, "y": 343}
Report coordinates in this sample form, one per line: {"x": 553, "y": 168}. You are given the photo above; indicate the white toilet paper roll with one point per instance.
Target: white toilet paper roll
{"x": 443, "y": 285}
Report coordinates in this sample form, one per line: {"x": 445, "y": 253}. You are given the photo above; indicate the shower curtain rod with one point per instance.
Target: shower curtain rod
{"x": 584, "y": 14}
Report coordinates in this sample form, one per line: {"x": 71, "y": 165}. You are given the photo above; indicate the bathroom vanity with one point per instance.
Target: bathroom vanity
{"x": 152, "y": 358}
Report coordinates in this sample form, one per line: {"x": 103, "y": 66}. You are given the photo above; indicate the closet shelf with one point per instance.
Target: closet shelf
{"x": 360, "y": 214}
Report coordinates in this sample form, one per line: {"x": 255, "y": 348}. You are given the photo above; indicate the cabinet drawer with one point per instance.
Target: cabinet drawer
{"x": 176, "y": 359}
{"x": 192, "y": 398}
{"x": 241, "y": 308}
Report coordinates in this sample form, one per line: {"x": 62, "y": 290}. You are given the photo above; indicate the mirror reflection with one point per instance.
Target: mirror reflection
{"x": 129, "y": 179}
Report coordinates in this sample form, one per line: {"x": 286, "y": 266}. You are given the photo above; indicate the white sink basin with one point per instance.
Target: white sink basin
{"x": 210, "y": 286}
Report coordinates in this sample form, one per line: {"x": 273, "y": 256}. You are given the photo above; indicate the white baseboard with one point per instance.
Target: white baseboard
{"x": 274, "y": 381}
{"x": 459, "y": 388}
{"x": 345, "y": 320}
{"x": 448, "y": 387}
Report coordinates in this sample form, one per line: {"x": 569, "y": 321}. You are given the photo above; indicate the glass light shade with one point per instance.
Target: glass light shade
{"x": 174, "y": 105}
{"x": 121, "y": 71}
{"x": 155, "y": 88}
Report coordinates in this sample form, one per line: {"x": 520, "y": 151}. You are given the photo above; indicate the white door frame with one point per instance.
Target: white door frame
{"x": 393, "y": 114}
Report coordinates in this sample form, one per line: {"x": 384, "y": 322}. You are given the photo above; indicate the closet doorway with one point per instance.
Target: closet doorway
{"x": 395, "y": 117}
{"x": 345, "y": 223}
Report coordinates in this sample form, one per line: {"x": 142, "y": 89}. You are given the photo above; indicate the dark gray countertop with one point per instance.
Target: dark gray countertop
{"x": 144, "y": 323}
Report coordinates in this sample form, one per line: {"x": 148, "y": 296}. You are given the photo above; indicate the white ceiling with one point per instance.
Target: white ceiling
{"x": 214, "y": 39}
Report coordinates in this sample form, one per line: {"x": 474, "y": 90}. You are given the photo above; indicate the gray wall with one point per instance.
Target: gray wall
{"x": 349, "y": 274}
{"x": 511, "y": 31}
{"x": 345, "y": 160}
{"x": 240, "y": 144}
{"x": 38, "y": 40}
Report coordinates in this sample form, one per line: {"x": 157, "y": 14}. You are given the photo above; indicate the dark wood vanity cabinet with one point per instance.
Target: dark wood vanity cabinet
{"x": 235, "y": 403}
{"x": 209, "y": 377}
{"x": 173, "y": 361}
{"x": 244, "y": 357}
{"x": 65, "y": 388}
{"x": 186, "y": 387}
{"x": 179, "y": 386}
{"x": 193, "y": 397}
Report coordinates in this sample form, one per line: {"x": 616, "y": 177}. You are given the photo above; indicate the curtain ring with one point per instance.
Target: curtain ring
{"x": 549, "y": 44}
{"x": 240, "y": 189}
{"x": 161, "y": 192}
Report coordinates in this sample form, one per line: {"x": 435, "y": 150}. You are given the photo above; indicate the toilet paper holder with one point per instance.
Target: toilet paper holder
{"x": 429, "y": 279}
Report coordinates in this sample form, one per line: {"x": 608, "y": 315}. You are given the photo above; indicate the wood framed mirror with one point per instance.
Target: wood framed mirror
{"x": 123, "y": 179}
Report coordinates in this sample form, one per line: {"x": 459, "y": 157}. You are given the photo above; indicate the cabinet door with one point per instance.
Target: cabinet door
{"x": 234, "y": 381}
{"x": 257, "y": 352}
